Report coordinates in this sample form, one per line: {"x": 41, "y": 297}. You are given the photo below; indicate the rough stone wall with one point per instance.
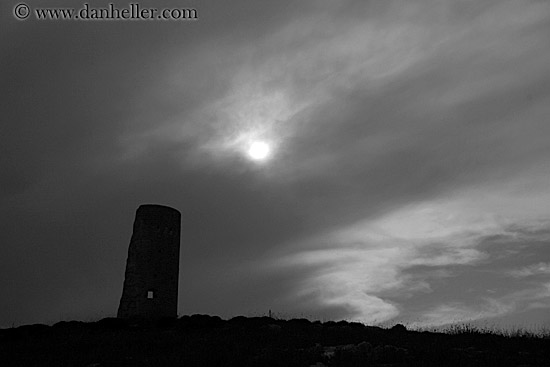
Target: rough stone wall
{"x": 152, "y": 265}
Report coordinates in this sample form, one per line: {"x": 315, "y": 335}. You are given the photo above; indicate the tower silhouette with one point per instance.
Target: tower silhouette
{"x": 151, "y": 279}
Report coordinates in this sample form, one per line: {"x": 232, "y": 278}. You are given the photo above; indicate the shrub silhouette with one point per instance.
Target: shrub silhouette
{"x": 398, "y": 328}
{"x": 203, "y": 340}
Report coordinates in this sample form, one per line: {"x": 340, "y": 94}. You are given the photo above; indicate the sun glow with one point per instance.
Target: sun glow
{"x": 259, "y": 151}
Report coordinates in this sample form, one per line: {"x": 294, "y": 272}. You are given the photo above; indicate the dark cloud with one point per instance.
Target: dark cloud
{"x": 378, "y": 112}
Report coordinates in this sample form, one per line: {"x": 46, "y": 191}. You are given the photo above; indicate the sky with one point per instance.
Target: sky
{"x": 372, "y": 161}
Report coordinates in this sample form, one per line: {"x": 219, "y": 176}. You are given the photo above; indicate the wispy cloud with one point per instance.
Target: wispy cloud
{"x": 485, "y": 308}
{"x": 456, "y": 313}
{"x": 410, "y": 140}
{"x": 531, "y": 270}
{"x": 364, "y": 268}
{"x": 360, "y": 267}
{"x": 424, "y": 185}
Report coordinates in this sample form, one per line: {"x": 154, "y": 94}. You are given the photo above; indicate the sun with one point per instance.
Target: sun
{"x": 259, "y": 151}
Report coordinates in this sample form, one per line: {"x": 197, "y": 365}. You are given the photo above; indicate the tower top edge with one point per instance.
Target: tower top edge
{"x": 157, "y": 207}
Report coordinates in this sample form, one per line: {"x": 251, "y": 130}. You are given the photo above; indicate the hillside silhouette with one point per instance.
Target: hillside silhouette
{"x": 202, "y": 340}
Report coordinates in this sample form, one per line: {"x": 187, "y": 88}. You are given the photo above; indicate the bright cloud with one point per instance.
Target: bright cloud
{"x": 456, "y": 313}
{"x": 364, "y": 267}
{"x": 408, "y": 161}
{"x": 528, "y": 271}
{"x": 410, "y": 131}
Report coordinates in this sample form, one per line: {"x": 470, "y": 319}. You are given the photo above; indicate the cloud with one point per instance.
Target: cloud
{"x": 457, "y": 313}
{"x": 362, "y": 266}
{"x": 406, "y": 136}
{"x": 420, "y": 166}
{"x": 486, "y": 308}
{"x": 528, "y": 271}
{"x": 369, "y": 264}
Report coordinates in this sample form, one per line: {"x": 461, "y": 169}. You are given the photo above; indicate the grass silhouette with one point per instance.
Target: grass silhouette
{"x": 203, "y": 340}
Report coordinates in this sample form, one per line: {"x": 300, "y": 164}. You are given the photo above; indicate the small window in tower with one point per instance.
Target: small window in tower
{"x": 150, "y": 294}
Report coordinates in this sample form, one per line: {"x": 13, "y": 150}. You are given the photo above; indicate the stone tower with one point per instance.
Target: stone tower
{"x": 151, "y": 278}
